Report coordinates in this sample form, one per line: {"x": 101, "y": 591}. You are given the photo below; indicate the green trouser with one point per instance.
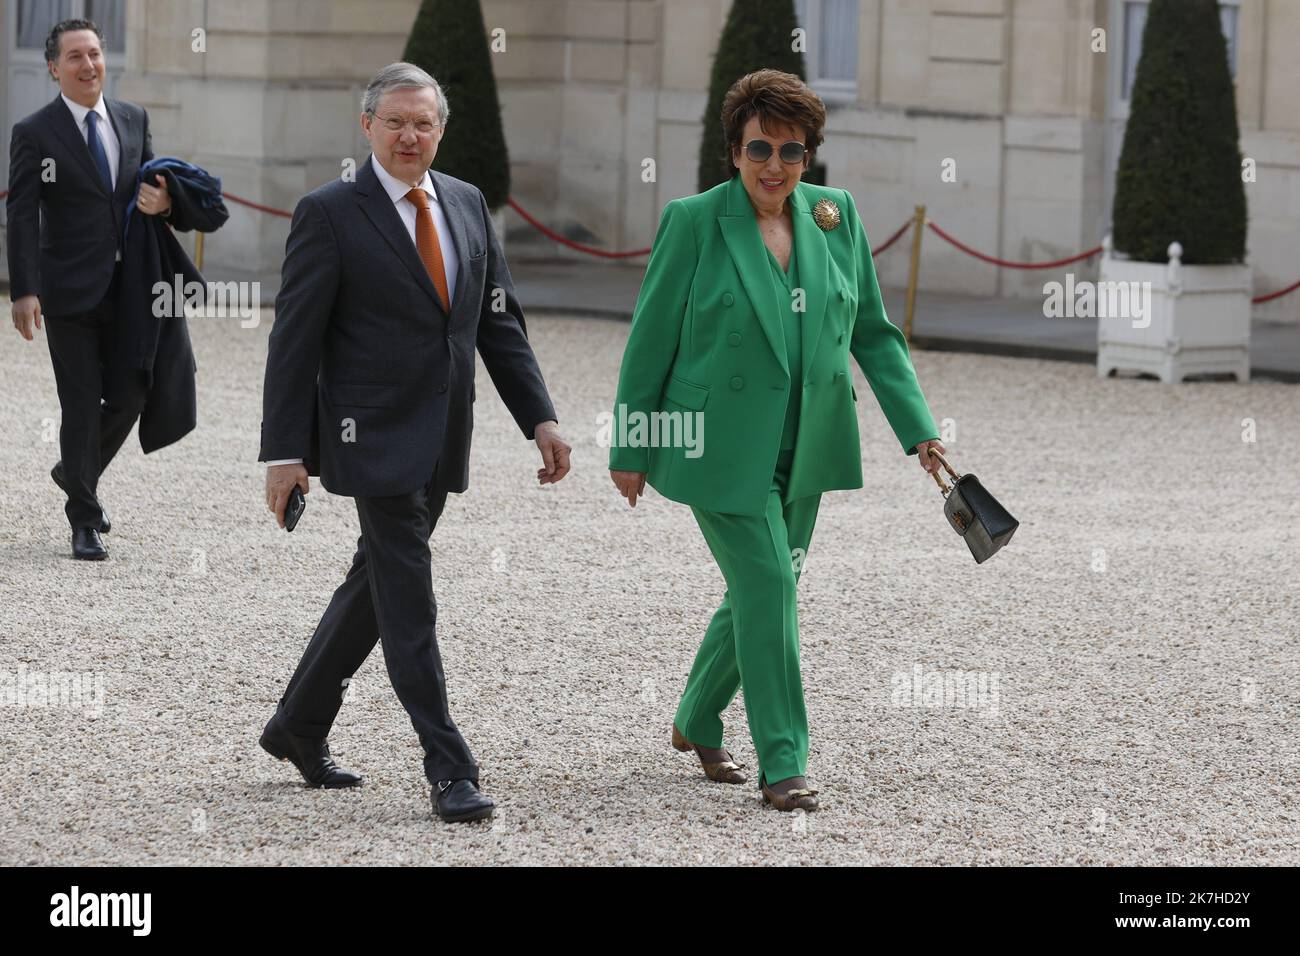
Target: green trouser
{"x": 753, "y": 639}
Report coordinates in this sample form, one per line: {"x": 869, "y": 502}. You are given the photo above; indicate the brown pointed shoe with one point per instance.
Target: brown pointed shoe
{"x": 803, "y": 798}
{"x": 724, "y": 771}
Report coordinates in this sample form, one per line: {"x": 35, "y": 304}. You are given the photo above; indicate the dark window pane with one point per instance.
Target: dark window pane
{"x": 37, "y": 17}
{"x": 1228, "y": 19}
{"x": 839, "y": 41}
{"x": 1135, "y": 21}
{"x": 111, "y": 17}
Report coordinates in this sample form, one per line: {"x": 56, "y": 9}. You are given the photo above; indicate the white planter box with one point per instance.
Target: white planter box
{"x": 1197, "y": 319}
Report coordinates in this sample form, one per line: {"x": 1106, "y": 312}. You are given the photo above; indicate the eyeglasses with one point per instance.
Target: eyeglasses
{"x": 791, "y": 153}
{"x": 396, "y": 124}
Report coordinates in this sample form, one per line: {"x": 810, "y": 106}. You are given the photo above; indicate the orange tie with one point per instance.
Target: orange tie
{"x": 426, "y": 241}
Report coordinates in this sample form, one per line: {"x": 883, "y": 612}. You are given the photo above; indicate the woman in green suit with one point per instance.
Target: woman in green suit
{"x": 756, "y": 294}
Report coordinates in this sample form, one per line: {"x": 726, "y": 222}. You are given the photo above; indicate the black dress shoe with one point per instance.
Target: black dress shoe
{"x": 105, "y": 526}
{"x": 87, "y": 546}
{"x": 459, "y": 800}
{"x": 311, "y": 755}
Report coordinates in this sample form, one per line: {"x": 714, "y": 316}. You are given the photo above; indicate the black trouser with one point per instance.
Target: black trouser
{"x": 100, "y": 400}
{"x": 391, "y": 572}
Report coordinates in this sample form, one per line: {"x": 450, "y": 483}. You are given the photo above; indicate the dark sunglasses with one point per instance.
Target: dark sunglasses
{"x": 760, "y": 150}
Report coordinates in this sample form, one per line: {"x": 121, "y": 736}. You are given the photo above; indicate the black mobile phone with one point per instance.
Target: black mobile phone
{"x": 293, "y": 510}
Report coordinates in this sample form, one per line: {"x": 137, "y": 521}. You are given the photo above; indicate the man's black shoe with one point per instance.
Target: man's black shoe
{"x": 87, "y": 546}
{"x": 459, "y": 800}
{"x": 311, "y": 755}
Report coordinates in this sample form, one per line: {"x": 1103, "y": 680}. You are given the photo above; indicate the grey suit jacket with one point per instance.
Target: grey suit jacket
{"x": 368, "y": 379}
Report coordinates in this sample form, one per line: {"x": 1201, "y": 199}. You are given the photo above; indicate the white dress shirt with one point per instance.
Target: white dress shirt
{"x": 107, "y": 137}
{"x": 407, "y": 210}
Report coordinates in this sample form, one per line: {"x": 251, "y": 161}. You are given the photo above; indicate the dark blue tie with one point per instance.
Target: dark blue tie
{"x": 97, "y": 149}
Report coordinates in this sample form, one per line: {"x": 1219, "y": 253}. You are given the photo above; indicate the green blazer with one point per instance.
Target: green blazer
{"x": 706, "y": 337}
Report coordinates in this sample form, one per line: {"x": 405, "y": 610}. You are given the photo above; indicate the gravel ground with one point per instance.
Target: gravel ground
{"x": 1136, "y": 643}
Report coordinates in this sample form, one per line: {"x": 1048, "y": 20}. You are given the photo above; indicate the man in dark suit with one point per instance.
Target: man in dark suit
{"x": 71, "y": 176}
{"x": 389, "y": 284}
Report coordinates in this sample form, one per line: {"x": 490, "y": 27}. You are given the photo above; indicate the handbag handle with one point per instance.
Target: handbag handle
{"x": 944, "y": 487}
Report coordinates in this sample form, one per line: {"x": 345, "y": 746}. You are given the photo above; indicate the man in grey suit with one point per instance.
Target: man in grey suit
{"x": 389, "y": 285}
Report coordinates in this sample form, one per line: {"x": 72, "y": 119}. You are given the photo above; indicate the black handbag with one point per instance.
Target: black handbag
{"x": 974, "y": 514}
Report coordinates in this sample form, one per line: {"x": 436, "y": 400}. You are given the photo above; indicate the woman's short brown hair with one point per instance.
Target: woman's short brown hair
{"x": 772, "y": 96}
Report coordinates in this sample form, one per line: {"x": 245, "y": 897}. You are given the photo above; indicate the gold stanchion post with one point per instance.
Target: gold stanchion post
{"x": 918, "y": 226}
{"x": 198, "y": 250}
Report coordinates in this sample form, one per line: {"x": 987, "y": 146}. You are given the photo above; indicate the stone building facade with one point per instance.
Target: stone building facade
{"x": 1011, "y": 96}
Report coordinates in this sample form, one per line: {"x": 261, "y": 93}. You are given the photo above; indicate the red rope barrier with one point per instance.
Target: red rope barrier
{"x": 1276, "y": 295}
{"x": 1064, "y": 262}
{"x": 1006, "y": 263}
{"x": 551, "y": 234}
{"x": 270, "y": 210}
{"x": 564, "y": 241}
{"x": 1083, "y": 255}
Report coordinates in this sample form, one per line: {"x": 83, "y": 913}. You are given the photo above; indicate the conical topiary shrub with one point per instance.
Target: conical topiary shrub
{"x": 758, "y": 34}
{"x": 449, "y": 40}
{"x": 1179, "y": 176}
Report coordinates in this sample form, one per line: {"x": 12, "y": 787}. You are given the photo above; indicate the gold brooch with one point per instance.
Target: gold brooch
{"x": 826, "y": 214}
